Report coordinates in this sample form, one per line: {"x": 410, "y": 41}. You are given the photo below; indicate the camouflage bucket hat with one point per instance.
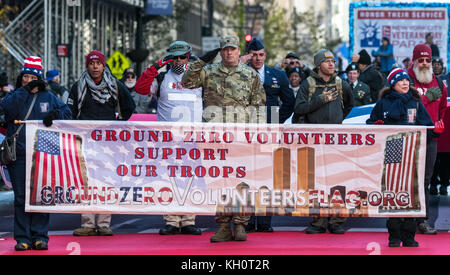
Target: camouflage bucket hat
{"x": 229, "y": 41}
{"x": 178, "y": 48}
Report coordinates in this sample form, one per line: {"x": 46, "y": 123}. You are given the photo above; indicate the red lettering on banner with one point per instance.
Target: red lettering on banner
{"x": 316, "y": 138}
{"x": 356, "y": 139}
{"x": 96, "y": 135}
{"x": 370, "y": 139}
{"x": 150, "y": 171}
{"x": 186, "y": 172}
{"x": 262, "y": 138}
{"x": 226, "y": 171}
{"x": 329, "y": 139}
{"x": 110, "y": 135}
{"x": 149, "y": 192}
{"x": 240, "y": 172}
{"x": 342, "y": 139}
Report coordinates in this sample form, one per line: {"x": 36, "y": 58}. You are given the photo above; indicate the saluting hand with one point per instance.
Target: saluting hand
{"x": 209, "y": 56}
{"x": 163, "y": 62}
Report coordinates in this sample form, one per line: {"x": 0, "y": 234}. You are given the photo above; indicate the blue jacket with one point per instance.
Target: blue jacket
{"x": 386, "y": 56}
{"x": 16, "y": 104}
{"x": 397, "y": 109}
{"x": 276, "y": 85}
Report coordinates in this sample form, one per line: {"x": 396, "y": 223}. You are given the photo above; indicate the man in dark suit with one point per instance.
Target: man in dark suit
{"x": 360, "y": 90}
{"x": 280, "y": 102}
{"x": 280, "y": 98}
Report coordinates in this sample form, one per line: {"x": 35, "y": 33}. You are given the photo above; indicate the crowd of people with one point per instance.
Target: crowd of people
{"x": 292, "y": 93}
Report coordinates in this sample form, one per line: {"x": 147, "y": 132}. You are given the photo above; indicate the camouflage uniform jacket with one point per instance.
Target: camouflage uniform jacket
{"x": 227, "y": 87}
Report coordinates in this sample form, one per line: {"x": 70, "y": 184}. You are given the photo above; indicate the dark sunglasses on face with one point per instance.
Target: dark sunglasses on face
{"x": 182, "y": 57}
{"x": 427, "y": 60}
{"x": 294, "y": 62}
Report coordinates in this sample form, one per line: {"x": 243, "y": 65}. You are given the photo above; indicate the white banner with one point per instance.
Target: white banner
{"x": 206, "y": 168}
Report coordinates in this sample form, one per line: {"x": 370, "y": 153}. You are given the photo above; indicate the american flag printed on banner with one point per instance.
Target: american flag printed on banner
{"x": 400, "y": 167}
{"x": 57, "y": 161}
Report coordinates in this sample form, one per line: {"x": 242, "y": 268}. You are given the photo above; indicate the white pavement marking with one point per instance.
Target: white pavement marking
{"x": 61, "y": 232}
{"x": 367, "y": 230}
{"x": 290, "y": 228}
{"x": 114, "y": 227}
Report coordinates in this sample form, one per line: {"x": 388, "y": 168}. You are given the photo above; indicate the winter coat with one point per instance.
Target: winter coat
{"x": 436, "y": 108}
{"x": 315, "y": 110}
{"x": 276, "y": 86}
{"x": 372, "y": 77}
{"x": 361, "y": 94}
{"x": 401, "y": 109}
{"x": 386, "y": 54}
{"x": 61, "y": 92}
{"x": 16, "y": 105}
{"x": 93, "y": 110}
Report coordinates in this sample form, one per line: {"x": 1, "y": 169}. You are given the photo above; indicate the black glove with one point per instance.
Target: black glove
{"x": 209, "y": 56}
{"x": 48, "y": 119}
{"x": 41, "y": 84}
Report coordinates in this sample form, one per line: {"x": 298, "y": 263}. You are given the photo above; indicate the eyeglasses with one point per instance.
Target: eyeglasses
{"x": 422, "y": 60}
{"x": 330, "y": 61}
{"x": 182, "y": 57}
{"x": 294, "y": 62}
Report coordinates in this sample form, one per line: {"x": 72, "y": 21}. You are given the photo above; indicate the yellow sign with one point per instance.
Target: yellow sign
{"x": 118, "y": 62}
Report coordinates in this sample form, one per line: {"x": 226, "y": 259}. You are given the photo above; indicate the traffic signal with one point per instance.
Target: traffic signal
{"x": 248, "y": 38}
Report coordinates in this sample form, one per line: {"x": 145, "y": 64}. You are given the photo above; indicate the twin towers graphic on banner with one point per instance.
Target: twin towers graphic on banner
{"x": 305, "y": 181}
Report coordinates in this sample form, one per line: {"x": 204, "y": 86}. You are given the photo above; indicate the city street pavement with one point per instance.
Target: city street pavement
{"x": 62, "y": 224}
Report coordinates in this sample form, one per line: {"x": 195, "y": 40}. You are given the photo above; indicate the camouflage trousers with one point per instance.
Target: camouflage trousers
{"x": 95, "y": 220}
{"x": 175, "y": 220}
{"x": 322, "y": 222}
{"x": 236, "y": 219}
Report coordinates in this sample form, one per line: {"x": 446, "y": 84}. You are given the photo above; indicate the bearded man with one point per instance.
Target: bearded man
{"x": 434, "y": 96}
{"x": 323, "y": 98}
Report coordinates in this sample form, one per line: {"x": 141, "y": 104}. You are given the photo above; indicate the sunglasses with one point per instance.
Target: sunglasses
{"x": 422, "y": 60}
{"x": 294, "y": 62}
{"x": 182, "y": 57}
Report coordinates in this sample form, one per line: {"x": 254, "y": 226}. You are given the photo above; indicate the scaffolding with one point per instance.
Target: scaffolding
{"x": 82, "y": 25}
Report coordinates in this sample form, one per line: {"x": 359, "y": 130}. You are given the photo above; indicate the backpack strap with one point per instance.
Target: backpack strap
{"x": 340, "y": 90}
{"x": 440, "y": 83}
{"x": 313, "y": 86}
{"x": 160, "y": 79}
{"x": 16, "y": 134}
{"x": 118, "y": 103}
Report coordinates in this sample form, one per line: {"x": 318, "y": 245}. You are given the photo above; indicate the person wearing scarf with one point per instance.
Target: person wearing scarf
{"x": 97, "y": 95}
{"x": 401, "y": 104}
{"x": 31, "y": 100}
{"x": 175, "y": 103}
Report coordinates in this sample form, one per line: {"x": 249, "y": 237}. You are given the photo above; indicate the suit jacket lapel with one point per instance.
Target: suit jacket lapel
{"x": 267, "y": 76}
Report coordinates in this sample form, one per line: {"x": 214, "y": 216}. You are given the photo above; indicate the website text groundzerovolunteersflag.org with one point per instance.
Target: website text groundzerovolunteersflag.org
{"x": 207, "y": 168}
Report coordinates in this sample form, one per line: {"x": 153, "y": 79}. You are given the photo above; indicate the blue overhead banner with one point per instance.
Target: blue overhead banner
{"x": 404, "y": 24}
{"x": 159, "y": 7}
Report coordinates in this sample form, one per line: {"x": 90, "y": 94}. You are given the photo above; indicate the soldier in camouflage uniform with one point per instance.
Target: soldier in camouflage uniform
{"x": 229, "y": 88}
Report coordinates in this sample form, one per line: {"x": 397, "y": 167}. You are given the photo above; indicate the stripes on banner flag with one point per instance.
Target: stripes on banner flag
{"x": 400, "y": 167}
{"x": 57, "y": 161}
